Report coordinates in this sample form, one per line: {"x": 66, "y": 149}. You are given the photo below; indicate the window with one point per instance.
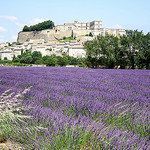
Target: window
{"x": 69, "y": 28}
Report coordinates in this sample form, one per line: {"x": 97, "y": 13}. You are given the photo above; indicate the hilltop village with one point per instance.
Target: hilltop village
{"x": 68, "y": 38}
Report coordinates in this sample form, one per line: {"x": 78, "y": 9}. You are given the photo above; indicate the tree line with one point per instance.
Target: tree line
{"x": 128, "y": 51}
{"x": 36, "y": 58}
{"x": 40, "y": 26}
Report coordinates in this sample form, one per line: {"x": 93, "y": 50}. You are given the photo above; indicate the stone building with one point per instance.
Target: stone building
{"x": 93, "y": 25}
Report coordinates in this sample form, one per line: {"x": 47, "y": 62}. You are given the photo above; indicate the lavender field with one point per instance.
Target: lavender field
{"x": 58, "y": 108}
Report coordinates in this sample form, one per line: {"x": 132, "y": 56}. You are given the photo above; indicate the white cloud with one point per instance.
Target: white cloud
{"x": 2, "y": 29}
{"x": 38, "y": 20}
{"x": 14, "y": 37}
{"x": 12, "y": 18}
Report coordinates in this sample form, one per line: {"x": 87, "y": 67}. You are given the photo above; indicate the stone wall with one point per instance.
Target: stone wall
{"x": 49, "y": 35}
{"x": 81, "y": 32}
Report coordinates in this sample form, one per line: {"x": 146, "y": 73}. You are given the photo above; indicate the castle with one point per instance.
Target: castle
{"x": 53, "y": 39}
{"x": 79, "y": 29}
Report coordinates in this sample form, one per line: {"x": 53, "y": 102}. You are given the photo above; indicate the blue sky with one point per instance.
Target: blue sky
{"x": 126, "y": 14}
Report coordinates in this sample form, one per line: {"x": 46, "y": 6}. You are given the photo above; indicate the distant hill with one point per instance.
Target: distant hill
{"x": 40, "y": 26}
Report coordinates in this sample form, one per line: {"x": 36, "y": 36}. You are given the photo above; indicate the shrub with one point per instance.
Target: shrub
{"x": 19, "y": 64}
{"x": 27, "y": 40}
{"x": 18, "y": 43}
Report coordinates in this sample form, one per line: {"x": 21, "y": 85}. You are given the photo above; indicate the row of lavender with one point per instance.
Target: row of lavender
{"x": 83, "y": 108}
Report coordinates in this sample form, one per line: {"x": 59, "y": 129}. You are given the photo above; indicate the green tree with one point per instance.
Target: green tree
{"x": 36, "y": 56}
{"x": 40, "y": 26}
{"x": 39, "y": 61}
{"x": 72, "y": 34}
{"x": 26, "y": 28}
{"x": 26, "y": 60}
{"x": 92, "y": 49}
{"x": 62, "y": 61}
{"x": 45, "y": 58}
{"x": 51, "y": 61}
{"x": 133, "y": 46}
{"x": 102, "y": 50}
{"x": 72, "y": 60}
{"x": 90, "y": 34}
{"x": 143, "y": 60}
{"x": 130, "y": 50}
{"x": 123, "y": 59}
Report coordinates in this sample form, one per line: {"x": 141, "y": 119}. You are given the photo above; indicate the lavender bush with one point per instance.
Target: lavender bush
{"x": 75, "y": 108}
